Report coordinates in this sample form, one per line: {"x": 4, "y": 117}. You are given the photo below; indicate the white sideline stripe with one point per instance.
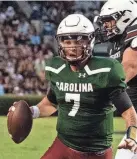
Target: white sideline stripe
{"x": 89, "y": 72}
{"x": 54, "y": 70}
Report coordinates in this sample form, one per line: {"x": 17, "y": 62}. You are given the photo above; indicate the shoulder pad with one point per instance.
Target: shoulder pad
{"x": 131, "y": 33}
{"x": 133, "y": 44}
{"x": 55, "y": 65}
{"x": 55, "y": 62}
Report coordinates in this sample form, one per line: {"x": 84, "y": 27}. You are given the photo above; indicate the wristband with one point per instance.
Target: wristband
{"x": 36, "y": 112}
{"x": 132, "y": 133}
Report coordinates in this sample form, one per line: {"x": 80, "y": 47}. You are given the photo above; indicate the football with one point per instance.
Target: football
{"x": 19, "y": 121}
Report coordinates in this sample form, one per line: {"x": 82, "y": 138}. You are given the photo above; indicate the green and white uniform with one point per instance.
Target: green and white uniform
{"x": 85, "y": 112}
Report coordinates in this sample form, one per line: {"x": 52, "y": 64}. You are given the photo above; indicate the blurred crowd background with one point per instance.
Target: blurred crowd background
{"x": 27, "y": 31}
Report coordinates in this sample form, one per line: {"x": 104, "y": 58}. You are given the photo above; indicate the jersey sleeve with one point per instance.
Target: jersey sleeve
{"x": 47, "y": 73}
{"x": 50, "y": 93}
{"x": 116, "y": 76}
{"x": 51, "y": 96}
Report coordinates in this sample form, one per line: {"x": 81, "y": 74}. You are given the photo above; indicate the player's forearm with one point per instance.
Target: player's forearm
{"x": 129, "y": 63}
{"x": 47, "y": 111}
{"x": 130, "y": 73}
{"x": 130, "y": 117}
{"x": 46, "y": 108}
{"x": 130, "y": 69}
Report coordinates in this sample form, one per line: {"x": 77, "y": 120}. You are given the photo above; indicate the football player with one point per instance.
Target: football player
{"x": 83, "y": 88}
{"x": 118, "y": 21}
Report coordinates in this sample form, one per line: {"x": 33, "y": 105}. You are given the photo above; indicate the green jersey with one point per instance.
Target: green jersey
{"x": 85, "y": 112}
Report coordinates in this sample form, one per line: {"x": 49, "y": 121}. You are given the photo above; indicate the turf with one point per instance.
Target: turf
{"x": 41, "y": 137}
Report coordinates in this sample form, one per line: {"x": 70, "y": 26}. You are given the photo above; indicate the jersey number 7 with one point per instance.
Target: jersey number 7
{"x": 76, "y": 98}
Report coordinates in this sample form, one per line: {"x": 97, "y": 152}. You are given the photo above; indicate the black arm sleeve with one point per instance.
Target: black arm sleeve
{"x": 121, "y": 100}
{"x": 51, "y": 96}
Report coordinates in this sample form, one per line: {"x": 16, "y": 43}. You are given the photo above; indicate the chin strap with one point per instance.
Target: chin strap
{"x": 81, "y": 63}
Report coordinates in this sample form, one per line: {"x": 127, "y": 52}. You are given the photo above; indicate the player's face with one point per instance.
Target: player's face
{"x": 73, "y": 48}
{"x": 109, "y": 25}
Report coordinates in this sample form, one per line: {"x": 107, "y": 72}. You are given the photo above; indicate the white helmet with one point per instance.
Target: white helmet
{"x": 122, "y": 11}
{"x": 79, "y": 27}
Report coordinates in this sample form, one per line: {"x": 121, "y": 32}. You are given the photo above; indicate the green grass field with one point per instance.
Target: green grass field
{"x": 41, "y": 137}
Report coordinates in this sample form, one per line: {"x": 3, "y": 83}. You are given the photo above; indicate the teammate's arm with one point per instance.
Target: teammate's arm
{"x": 131, "y": 122}
{"x": 129, "y": 63}
{"x": 130, "y": 117}
{"x": 124, "y": 105}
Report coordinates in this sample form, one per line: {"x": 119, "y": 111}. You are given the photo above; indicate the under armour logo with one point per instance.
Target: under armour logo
{"x": 83, "y": 75}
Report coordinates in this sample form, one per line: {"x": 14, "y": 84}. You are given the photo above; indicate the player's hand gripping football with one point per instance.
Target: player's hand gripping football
{"x": 128, "y": 144}
{"x": 11, "y": 108}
